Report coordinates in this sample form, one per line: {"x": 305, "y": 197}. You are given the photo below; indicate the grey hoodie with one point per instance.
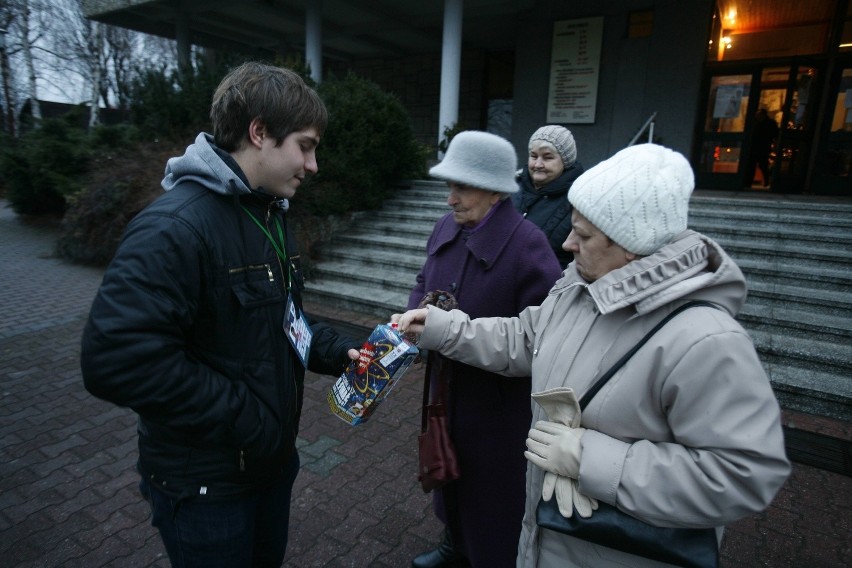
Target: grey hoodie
{"x": 204, "y": 163}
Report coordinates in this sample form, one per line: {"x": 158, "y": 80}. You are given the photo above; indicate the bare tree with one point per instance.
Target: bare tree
{"x": 7, "y": 17}
{"x": 27, "y": 42}
{"x": 49, "y": 45}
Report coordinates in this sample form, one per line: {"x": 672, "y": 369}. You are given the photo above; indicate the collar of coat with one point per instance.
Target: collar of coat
{"x": 488, "y": 241}
{"x": 691, "y": 267}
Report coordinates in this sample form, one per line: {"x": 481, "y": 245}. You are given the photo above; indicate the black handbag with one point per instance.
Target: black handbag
{"x": 612, "y": 528}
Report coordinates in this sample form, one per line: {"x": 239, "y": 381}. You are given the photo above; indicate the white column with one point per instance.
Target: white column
{"x": 448, "y": 114}
{"x": 313, "y": 39}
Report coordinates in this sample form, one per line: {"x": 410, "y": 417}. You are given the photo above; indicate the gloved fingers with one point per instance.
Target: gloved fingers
{"x": 565, "y": 496}
{"x": 538, "y": 461}
{"x": 539, "y": 443}
{"x": 551, "y": 428}
{"x": 548, "y": 486}
{"x": 582, "y": 503}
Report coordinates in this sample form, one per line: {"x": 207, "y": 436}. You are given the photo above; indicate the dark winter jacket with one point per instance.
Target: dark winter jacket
{"x": 498, "y": 269}
{"x": 548, "y": 207}
{"x": 186, "y": 329}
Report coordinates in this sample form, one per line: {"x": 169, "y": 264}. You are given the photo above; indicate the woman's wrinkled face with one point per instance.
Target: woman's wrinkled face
{"x": 470, "y": 204}
{"x": 595, "y": 255}
{"x": 544, "y": 163}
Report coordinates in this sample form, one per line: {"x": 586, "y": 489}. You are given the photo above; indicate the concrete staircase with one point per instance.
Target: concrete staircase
{"x": 795, "y": 254}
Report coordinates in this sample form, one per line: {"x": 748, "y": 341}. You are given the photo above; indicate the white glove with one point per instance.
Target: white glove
{"x": 560, "y": 405}
{"x": 555, "y": 448}
{"x": 569, "y": 498}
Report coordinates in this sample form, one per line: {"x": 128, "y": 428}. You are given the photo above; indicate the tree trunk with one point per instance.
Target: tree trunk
{"x": 27, "y": 48}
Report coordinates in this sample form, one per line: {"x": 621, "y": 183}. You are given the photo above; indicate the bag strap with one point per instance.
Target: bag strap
{"x": 441, "y": 395}
{"x": 593, "y": 390}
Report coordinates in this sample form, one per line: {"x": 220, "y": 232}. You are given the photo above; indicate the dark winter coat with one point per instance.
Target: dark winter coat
{"x": 497, "y": 270}
{"x": 548, "y": 207}
{"x": 186, "y": 329}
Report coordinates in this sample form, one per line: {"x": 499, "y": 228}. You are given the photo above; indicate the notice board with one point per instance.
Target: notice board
{"x": 574, "y": 71}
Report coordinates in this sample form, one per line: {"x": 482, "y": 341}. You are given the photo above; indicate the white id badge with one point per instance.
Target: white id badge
{"x": 298, "y": 331}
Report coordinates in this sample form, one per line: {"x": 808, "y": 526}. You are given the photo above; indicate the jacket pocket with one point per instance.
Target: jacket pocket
{"x": 254, "y": 285}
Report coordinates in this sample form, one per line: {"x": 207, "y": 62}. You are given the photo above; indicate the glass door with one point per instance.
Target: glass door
{"x": 758, "y": 128}
{"x": 833, "y": 171}
{"x": 721, "y": 149}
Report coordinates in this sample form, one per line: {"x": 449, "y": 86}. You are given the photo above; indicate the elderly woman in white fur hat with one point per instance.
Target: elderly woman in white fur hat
{"x": 552, "y": 167}
{"x": 494, "y": 263}
{"x": 687, "y": 432}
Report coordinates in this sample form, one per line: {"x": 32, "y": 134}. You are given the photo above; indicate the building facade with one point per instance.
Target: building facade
{"x": 689, "y": 75}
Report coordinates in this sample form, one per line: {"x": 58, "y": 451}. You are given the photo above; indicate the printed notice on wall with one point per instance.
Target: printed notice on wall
{"x": 574, "y": 71}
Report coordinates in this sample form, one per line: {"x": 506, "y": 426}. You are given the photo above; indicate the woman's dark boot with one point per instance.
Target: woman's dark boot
{"x": 445, "y": 556}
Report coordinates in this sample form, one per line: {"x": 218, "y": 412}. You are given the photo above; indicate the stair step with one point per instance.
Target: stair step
{"x": 825, "y": 237}
{"x": 802, "y": 388}
{"x": 832, "y": 279}
{"x": 399, "y": 280}
{"x": 387, "y": 226}
{"x": 782, "y": 319}
{"x": 385, "y": 259}
{"x": 403, "y": 243}
{"x": 791, "y": 210}
{"x": 815, "y": 301}
{"x": 802, "y": 351}
{"x": 377, "y": 302}
{"x": 788, "y": 257}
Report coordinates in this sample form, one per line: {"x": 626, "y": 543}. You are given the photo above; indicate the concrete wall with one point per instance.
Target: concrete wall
{"x": 639, "y": 76}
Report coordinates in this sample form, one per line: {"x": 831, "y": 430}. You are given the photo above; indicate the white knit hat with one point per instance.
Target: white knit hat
{"x": 560, "y": 138}
{"x": 638, "y": 198}
{"x": 481, "y": 160}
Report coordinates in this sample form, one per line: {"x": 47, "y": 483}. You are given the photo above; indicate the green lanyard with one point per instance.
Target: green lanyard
{"x": 280, "y": 246}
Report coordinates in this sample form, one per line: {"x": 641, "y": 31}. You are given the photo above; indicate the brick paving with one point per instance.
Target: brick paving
{"x": 68, "y": 494}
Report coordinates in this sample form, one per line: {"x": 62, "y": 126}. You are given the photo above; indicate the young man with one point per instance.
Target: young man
{"x": 198, "y": 327}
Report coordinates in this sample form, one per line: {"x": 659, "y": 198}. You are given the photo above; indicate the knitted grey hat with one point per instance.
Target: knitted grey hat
{"x": 561, "y": 139}
{"x": 481, "y": 160}
{"x": 639, "y": 197}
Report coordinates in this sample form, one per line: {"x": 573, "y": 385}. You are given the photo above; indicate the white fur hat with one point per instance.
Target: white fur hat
{"x": 639, "y": 197}
{"x": 481, "y": 160}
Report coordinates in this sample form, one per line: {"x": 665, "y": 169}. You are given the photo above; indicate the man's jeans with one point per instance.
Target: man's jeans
{"x": 236, "y": 533}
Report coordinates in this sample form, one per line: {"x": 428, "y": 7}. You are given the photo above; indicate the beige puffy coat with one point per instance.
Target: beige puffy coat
{"x": 687, "y": 434}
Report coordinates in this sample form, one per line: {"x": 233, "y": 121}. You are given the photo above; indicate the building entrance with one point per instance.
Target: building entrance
{"x": 777, "y": 111}
{"x": 758, "y": 128}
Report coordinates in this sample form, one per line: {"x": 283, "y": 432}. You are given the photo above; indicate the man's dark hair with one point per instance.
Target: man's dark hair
{"x": 278, "y": 97}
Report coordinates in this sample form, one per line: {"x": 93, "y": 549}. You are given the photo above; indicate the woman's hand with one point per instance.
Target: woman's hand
{"x": 412, "y": 321}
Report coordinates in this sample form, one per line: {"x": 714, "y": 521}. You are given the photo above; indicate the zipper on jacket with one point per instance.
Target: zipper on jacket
{"x": 254, "y": 267}
{"x": 242, "y": 460}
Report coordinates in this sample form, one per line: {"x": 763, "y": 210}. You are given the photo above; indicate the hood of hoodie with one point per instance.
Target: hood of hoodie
{"x": 212, "y": 168}
{"x": 693, "y": 266}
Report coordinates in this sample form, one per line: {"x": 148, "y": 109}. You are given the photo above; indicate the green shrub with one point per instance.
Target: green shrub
{"x": 368, "y": 146}
{"x": 44, "y": 166}
{"x": 118, "y": 186}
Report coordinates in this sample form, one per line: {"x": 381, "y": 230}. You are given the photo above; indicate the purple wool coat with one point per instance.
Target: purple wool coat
{"x": 499, "y": 269}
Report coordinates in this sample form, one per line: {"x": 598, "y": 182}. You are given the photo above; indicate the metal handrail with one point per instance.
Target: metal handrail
{"x": 649, "y": 125}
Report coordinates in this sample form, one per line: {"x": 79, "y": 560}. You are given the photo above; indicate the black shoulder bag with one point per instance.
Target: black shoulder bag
{"x": 612, "y": 528}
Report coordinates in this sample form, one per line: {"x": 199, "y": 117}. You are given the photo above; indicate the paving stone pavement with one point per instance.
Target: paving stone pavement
{"x": 68, "y": 487}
